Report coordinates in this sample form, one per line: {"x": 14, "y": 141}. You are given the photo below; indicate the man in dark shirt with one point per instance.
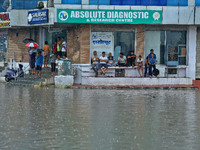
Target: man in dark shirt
{"x": 146, "y": 66}
{"x": 131, "y": 59}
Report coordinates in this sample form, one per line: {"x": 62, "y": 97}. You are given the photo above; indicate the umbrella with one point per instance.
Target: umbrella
{"x": 28, "y": 41}
{"x": 32, "y": 44}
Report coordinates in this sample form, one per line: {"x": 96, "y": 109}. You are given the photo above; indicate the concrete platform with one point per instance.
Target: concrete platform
{"x": 133, "y": 81}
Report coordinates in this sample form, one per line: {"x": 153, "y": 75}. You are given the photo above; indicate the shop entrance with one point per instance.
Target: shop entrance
{"x": 52, "y": 36}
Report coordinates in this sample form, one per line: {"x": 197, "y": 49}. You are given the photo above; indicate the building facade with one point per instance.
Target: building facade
{"x": 170, "y": 27}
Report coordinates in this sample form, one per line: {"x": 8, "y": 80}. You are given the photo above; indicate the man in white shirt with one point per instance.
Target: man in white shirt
{"x": 64, "y": 47}
{"x": 103, "y": 63}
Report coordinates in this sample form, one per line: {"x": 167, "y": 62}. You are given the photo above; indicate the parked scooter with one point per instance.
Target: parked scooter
{"x": 12, "y": 74}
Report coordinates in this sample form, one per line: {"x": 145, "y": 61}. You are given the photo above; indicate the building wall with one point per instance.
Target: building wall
{"x": 16, "y": 47}
{"x": 79, "y": 44}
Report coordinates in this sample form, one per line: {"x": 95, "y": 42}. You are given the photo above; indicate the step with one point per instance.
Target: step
{"x": 30, "y": 79}
{"x": 27, "y": 82}
{"x": 21, "y": 84}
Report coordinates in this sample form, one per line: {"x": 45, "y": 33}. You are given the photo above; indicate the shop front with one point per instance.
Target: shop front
{"x": 123, "y": 31}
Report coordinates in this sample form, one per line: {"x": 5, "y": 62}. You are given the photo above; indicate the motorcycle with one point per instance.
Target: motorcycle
{"x": 12, "y": 74}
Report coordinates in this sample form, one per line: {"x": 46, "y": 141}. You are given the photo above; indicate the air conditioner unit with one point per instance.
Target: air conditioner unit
{"x": 42, "y": 4}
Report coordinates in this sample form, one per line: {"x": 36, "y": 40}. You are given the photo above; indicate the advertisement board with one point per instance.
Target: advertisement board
{"x": 102, "y": 41}
{"x": 109, "y": 16}
{"x": 38, "y": 16}
{"x": 4, "y": 20}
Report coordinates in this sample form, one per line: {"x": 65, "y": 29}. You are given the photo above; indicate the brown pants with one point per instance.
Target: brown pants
{"x": 46, "y": 58}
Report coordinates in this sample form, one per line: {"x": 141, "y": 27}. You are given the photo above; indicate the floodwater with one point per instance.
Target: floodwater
{"x": 80, "y": 119}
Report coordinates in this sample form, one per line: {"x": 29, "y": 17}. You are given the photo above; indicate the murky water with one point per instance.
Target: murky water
{"x": 61, "y": 119}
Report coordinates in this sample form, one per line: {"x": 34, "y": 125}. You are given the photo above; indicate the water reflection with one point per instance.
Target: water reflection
{"x": 51, "y": 118}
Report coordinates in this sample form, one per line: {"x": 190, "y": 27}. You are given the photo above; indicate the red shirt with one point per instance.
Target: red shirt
{"x": 55, "y": 48}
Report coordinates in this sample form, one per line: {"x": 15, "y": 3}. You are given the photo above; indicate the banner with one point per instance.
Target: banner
{"x": 38, "y": 16}
{"x": 101, "y": 41}
{"x": 4, "y": 20}
{"x": 109, "y": 16}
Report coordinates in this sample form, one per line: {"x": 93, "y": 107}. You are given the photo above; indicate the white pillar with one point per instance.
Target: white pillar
{"x": 85, "y": 2}
{"x": 41, "y": 37}
{"x": 191, "y": 52}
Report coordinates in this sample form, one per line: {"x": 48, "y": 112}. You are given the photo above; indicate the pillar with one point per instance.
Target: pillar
{"x": 140, "y": 38}
{"x": 191, "y": 52}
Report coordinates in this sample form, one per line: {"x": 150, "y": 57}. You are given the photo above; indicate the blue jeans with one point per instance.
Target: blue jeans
{"x": 103, "y": 65}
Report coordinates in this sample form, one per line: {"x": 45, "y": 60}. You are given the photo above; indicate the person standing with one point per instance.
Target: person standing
{"x": 64, "y": 47}
{"x": 55, "y": 47}
{"x": 46, "y": 53}
{"x": 146, "y": 73}
{"x": 32, "y": 60}
{"x": 39, "y": 62}
{"x": 152, "y": 61}
{"x": 53, "y": 64}
{"x": 59, "y": 47}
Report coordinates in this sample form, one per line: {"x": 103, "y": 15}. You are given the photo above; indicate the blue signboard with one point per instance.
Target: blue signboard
{"x": 38, "y": 16}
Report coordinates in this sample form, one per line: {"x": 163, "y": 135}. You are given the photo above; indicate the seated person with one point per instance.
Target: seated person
{"x": 95, "y": 63}
{"x": 111, "y": 60}
{"x": 103, "y": 63}
{"x": 140, "y": 65}
{"x": 122, "y": 60}
{"x": 131, "y": 59}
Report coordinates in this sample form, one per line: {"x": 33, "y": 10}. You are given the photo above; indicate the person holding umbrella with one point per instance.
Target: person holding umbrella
{"x": 32, "y": 55}
{"x": 32, "y": 60}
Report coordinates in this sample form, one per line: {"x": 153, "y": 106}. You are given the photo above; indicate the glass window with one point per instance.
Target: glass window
{"x": 197, "y": 3}
{"x": 143, "y": 2}
{"x": 24, "y": 4}
{"x": 114, "y": 42}
{"x": 71, "y": 1}
{"x": 123, "y": 42}
{"x": 177, "y": 2}
{"x": 169, "y": 46}
{"x": 4, "y": 4}
{"x": 99, "y": 2}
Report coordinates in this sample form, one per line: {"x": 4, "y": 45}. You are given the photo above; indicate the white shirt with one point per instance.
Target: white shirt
{"x": 64, "y": 46}
{"x": 140, "y": 60}
{"x": 103, "y": 58}
{"x": 122, "y": 60}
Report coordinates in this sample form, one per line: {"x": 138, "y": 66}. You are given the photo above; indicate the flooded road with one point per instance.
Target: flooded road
{"x": 79, "y": 119}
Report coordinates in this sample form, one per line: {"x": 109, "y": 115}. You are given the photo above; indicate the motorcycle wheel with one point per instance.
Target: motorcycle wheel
{"x": 7, "y": 79}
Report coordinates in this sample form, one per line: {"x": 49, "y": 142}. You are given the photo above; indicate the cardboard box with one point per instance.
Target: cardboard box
{"x": 183, "y": 51}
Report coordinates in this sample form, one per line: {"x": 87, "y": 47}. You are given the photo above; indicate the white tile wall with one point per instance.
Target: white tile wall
{"x": 89, "y": 6}
{"x": 186, "y": 15}
{"x": 197, "y": 16}
{"x": 138, "y": 7}
{"x": 85, "y": 2}
{"x": 170, "y": 15}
